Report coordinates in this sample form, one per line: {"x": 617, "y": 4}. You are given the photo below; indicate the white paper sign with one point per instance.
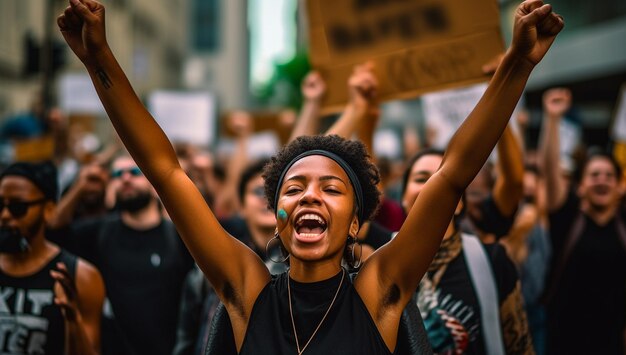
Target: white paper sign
{"x": 444, "y": 111}
{"x": 261, "y": 145}
{"x": 78, "y": 95}
{"x": 619, "y": 124}
{"x": 185, "y": 116}
{"x": 387, "y": 144}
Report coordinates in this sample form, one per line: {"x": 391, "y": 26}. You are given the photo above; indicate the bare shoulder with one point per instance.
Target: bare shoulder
{"x": 89, "y": 283}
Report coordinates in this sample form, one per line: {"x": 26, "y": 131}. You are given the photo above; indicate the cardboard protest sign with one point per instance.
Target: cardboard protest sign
{"x": 417, "y": 45}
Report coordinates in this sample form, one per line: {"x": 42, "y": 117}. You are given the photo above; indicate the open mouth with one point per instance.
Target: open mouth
{"x": 601, "y": 190}
{"x": 310, "y": 225}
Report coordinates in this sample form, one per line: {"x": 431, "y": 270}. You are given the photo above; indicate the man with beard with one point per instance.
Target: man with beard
{"x": 50, "y": 300}
{"x": 586, "y": 292}
{"x": 143, "y": 263}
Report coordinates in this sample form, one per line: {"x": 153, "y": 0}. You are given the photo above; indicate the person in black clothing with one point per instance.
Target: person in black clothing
{"x": 322, "y": 189}
{"x": 448, "y": 297}
{"x": 50, "y": 300}
{"x": 142, "y": 261}
{"x": 586, "y": 289}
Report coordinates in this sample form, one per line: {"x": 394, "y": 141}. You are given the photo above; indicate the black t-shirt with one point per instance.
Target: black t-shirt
{"x": 30, "y": 322}
{"x": 143, "y": 272}
{"x": 451, "y": 310}
{"x": 348, "y": 328}
{"x": 587, "y": 309}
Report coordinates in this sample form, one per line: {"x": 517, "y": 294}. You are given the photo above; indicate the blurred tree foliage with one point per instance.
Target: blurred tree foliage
{"x": 283, "y": 89}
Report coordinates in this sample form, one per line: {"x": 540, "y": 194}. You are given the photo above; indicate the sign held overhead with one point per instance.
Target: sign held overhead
{"x": 418, "y": 46}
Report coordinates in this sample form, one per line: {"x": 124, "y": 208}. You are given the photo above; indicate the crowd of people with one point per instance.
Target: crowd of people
{"x": 154, "y": 248}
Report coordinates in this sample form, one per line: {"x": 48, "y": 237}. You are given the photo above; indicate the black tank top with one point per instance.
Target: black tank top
{"x": 348, "y": 328}
{"x": 30, "y": 322}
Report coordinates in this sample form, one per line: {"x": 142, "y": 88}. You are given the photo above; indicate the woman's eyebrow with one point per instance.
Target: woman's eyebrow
{"x": 331, "y": 177}
{"x": 297, "y": 178}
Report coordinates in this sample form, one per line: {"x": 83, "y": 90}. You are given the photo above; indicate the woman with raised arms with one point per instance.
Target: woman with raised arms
{"x": 322, "y": 189}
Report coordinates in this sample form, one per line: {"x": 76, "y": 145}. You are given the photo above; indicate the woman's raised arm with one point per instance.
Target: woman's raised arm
{"x": 400, "y": 264}
{"x": 237, "y": 274}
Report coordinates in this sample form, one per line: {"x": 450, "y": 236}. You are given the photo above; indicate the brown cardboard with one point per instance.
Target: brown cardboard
{"x": 417, "y": 46}
{"x": 35, "y": 149}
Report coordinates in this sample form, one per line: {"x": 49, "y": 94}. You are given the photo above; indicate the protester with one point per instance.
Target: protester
{"x": 467, "y": 309}
{"x": 51, "y": 300}
{"x": 528, "y": 246}
{"x": 321, "y": 198}
{"x": 143, "y": 264}
{"x": 586, "y": 293}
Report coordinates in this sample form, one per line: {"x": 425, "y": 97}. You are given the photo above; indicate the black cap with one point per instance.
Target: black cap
{"x": 42, "y": 174}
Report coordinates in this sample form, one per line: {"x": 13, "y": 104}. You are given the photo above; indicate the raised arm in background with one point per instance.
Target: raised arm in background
{"x": 509, "y": 187}
{"x": 393, "y": 272}
{"x": 362, "y": 86}
{"x": 241, "y": 124}
{"x": 556, "y": 102}
{"x": 235, "y": 271}
{"x": 313, "y": 90}
{"x": 92, "y": 179}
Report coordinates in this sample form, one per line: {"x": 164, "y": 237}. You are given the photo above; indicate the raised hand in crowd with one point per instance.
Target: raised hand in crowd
{"x": 556, "y": 102}
{"x": 86, "y": 197}
{"x": 241, "y": 125}
{"x": 362, "y": 107}
{"x": 313, "y": 89}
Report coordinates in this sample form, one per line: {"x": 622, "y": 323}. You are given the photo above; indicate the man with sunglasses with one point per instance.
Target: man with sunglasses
{"x": 143, "y": 263}
{"x": 50, "y": 300}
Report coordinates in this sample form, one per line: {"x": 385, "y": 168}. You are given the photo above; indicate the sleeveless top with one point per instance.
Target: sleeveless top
{"x": 348, "y": 328}
{"x": 30, "y": 321}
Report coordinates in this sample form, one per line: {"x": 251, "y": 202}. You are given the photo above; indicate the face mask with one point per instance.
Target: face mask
{"x": 12, "y": 241}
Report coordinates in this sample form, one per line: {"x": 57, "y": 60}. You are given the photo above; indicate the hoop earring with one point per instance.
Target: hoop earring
{"x": 353, "y": 262}
{"x": 271, "y": 252}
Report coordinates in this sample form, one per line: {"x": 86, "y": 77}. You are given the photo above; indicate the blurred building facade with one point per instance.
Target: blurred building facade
{"x": 219, "y": 51}
{"x": 588, "y": 57}
{"x": 205, "y": 45}
{"x": 145, "y": 35}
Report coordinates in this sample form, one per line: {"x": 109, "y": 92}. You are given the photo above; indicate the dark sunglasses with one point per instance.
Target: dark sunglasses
{"x": 134, "y": 171}
{"x": 19, "y": 208}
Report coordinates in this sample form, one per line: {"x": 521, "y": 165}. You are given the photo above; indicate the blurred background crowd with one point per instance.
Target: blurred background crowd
{"x": 231, "y": 82}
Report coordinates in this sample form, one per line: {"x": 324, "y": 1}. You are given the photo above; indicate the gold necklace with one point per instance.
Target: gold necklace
{"x": 293, "y": 324}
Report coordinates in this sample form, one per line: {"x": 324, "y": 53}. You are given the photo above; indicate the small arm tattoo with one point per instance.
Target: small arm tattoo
{"x": 104, "y": 78}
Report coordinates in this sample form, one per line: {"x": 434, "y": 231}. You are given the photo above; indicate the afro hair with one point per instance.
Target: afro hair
{"x": 353, "y": 152}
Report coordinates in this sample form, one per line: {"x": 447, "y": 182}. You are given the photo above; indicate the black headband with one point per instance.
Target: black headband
{"x": 356, "y": 185}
